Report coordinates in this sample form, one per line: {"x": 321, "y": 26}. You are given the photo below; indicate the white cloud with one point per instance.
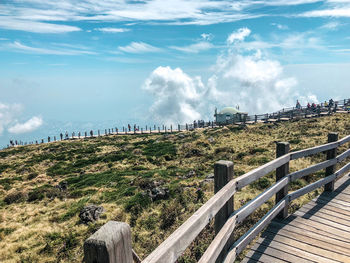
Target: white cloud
{"x": 28, "y": 126}
{"x": 139, "y": 47}
{"x": 177, "y": 95}
{"x": 194, "y": 48}
{"x": 38, "y": 15}
{"x": 334, "y": 12}
{"x": 112, "y": 29}
{"x": 7, "y": 114}
{"x": 252, "y": 80}
{"x": 35, "y": 26}
{"x": 17, "y": 46}
{"x": 238, "y": 35}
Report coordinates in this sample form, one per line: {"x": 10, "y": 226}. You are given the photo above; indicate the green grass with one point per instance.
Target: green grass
{"x": 41, "y": 224}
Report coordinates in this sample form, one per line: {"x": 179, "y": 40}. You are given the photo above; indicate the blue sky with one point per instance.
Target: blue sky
{"x": 74, "y": 65}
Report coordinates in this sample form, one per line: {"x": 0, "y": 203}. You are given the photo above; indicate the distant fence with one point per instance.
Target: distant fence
{"x": 112, "y": 242}
{"x": 282, "y": 115}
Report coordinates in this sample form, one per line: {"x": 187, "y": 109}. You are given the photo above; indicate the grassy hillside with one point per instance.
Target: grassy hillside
{"x": 40, "y": 223}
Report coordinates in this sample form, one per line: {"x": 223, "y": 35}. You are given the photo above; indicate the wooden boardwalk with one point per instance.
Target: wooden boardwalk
{"x": 318, "y": 232}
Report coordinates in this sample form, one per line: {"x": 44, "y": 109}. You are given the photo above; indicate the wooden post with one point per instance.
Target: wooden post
{"x": 282, "y": 148}
{"x": 110, "y": 244}
{"x": 332, "y": 137}
{"x": 223, "y": 173}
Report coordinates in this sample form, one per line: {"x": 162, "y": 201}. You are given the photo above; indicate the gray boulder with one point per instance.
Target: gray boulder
{"x": 90, "y": 213}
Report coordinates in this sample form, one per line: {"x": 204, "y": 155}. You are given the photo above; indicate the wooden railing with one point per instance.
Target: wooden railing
{"x": 220, "y": 206}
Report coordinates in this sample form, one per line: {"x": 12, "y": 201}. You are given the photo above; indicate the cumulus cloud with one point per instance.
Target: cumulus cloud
{"x": 238, "y": 35}
{"x": 176, "y": 94}
{"x": 28, "y": 126}
{"x": 242, "y": 76}
{"x": 9, "y": 113}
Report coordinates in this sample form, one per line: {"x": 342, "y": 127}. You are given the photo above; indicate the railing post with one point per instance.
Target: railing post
{"x": 282, "y": 148}
{"x": 223, "y": 173}
{"x": 110, "y": 244}
{"x": 332, "y": 137}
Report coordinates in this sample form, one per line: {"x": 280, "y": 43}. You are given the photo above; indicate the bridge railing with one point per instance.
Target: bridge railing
{"x": 220, "y": 206}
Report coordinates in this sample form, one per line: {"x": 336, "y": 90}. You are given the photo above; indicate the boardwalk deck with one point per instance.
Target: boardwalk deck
{"x": 317, "y": 232}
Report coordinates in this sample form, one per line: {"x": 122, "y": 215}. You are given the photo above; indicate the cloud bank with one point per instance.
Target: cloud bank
{"x": 28, "y": 126}
{"x": 242, "y": 76}
{"x": 8, "y": 119}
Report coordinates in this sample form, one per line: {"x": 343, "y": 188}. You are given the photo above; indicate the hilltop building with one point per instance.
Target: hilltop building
{"x": 229, "y": 115}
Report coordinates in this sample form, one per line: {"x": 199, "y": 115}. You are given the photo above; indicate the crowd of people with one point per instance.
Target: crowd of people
{"x": 331, "y": 105}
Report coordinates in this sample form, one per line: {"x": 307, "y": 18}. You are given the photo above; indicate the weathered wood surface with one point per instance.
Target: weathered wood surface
{"x": 317, "y": 232}
{"x": 110, "y": 244}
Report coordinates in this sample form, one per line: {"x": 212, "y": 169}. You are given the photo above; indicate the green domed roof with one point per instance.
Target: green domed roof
{"x": 229, "y": 110}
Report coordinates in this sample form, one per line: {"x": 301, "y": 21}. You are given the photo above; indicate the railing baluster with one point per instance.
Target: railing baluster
{"x": 282, "y": 148}
{"x": 332, "y": 137}
{"x": 223, "y": 173}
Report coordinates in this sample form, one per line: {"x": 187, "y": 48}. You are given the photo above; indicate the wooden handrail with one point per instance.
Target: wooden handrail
{"x": 177, "y": 242}
{"x": 169, "y": 250}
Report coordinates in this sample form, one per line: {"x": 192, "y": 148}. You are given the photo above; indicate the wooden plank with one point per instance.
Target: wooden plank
{"x": 179, "y": 240}
{"x": 309, "y": 170}
{"x": 310, "y": 229}
{"x": 261, "y": 171}
{"x": 333, "y": 204}
{"x": 326, "y": 206}
{"x": 311, "y": 239}
{"x": 257, "y": 256}
{"x": 310, "y": 248}
{"x": 325, "y": 225}
{"x": 277, "y": 254}
{"x": 325, "y": 219}
{"x": 337, "y": 201}
{"x": 313, "y": 150}
{"x": 307, "y": 213}
{"x": 285, "y": 246}
{"x": 280, "y": 254}
{"x": 249, "y": 260}
{"x": 313, "y": 210}
{"x": 242, "y": 242}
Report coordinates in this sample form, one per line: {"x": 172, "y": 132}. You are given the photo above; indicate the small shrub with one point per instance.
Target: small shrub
{"x": 15, "y": 197}
{"x": 169, "y": 215}
{"x": 32, "y": 176}
{"x": 241, "y": 155}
